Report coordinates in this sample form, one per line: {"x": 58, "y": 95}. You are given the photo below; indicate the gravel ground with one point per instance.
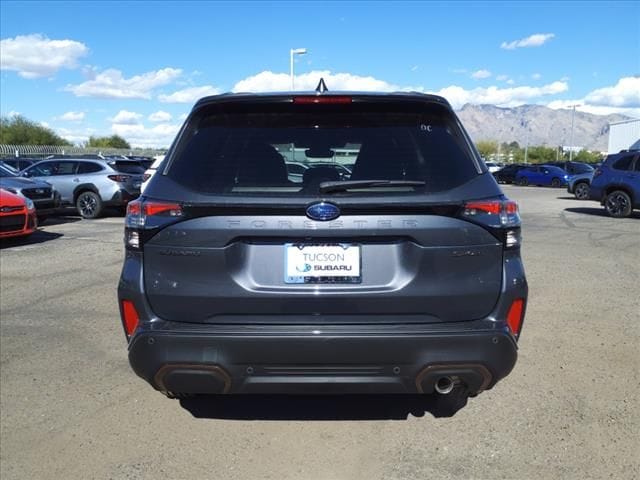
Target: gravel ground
{"x": 70, "y": 407}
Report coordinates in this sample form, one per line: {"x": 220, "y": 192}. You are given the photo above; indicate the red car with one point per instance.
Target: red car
{"x": 17, "y": 215}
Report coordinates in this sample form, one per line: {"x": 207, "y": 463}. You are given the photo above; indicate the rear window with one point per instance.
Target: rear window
{"x": 285, "y": 149}
{"x": 134, "y": 168}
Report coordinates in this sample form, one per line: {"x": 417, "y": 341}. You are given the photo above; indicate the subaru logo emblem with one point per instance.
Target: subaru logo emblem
{"x": 323, "y": 211}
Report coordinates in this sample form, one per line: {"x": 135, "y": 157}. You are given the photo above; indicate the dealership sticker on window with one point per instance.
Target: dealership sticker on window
{"x": 330, "y": 263}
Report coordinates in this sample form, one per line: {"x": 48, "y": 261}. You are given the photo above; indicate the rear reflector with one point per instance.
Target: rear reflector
{"x": 130, "y": 315}
{"x": 317, "y": 99}
{"x": 514, "y": 317}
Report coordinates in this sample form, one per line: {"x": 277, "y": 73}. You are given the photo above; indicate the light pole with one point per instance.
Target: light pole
{"x": 292, "y": 52}
{"x": 573, "y": 114}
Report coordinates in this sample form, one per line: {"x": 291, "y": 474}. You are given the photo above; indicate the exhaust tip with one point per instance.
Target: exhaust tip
{"x": 444, "y": 385}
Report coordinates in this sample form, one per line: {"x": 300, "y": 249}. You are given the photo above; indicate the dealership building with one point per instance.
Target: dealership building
{"x": 624, "y": 135}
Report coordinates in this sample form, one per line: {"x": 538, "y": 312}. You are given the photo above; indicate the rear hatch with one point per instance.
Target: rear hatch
{"x": 132, "y": 174}
{"x": 372, "y": 232}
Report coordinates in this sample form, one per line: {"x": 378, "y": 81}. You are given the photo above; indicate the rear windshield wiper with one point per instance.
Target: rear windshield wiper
{"x": 340, "y": 186}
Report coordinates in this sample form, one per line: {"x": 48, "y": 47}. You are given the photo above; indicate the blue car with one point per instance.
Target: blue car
{"x": 546, "y": 175}
{"x": 616, "y": 183}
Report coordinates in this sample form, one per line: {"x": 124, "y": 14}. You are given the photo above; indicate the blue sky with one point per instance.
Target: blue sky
{"x": 135, "y": 68}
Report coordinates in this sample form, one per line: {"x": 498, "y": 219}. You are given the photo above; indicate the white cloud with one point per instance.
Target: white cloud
{"x": 45, "y": 124}
{"x": 504, "y": 97}
{"x": 183, "y": 116}
{"x": 511, "y": 81}
{"x": 75, "y": 135}
{"x": 536, "y": 76}
{"x": 479, "y": 74}
{"x": 624, "y": 98}
{"x": 535, "y": 40}
{"x": 159, "y": 136}
{"x": 71, "y": 116}
{"x": 502, "y": 78}
{"x": 36, "y": 56}
{"x": 160, "y": 116}
{"x": 124, "y": 117}
{"x": 274, "y": 82}
{"x": 189, "y": 95}
{"x": 111, "y": 84}
{"x": 625, "y": 93}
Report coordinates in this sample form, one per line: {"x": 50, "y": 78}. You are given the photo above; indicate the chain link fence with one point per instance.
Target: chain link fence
{"x": 42, "y": 151}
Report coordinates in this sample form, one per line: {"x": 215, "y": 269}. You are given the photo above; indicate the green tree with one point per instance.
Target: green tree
{"x": 17, "y": 130}
{"x": 114, "y": 141}
{"x": 487, "y": 147}
{"x": 587, "y": 156}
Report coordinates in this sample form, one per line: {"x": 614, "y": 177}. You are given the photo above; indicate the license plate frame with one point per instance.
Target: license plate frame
{"x": 300, "y": 269}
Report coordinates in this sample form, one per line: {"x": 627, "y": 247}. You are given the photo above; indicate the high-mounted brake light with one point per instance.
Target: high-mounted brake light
{"x": 318, "y": 99}
{"x": 130, "y": 317}
{"x": 514, "y": 317}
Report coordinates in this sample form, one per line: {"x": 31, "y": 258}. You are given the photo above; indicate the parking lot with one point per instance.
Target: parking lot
{"x": 70, "y": 406}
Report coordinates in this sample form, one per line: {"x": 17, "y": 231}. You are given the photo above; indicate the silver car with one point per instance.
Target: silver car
{"x": 43, "y": 195}
{"x": 90, "y": 184}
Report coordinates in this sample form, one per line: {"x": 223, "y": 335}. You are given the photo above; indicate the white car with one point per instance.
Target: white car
{"x": 492, "y": 167}
{"x": 157, "y": 160}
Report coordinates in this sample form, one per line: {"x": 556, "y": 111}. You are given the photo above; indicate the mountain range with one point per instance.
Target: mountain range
{"x": 537, "y": 125}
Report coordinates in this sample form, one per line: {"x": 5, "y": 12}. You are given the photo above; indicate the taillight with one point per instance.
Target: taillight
{"x": 514, "y": 316}
{"x": 501, "y": 216}
{"x": 321, "y": 99}
{"x": 119, "y": 178}
{"x": 145, "y": 216}
{"x": 130, "y": 317}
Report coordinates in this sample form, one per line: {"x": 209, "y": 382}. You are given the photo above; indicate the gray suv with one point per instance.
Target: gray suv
{"x": 404, "y": 277}
{"x": 90, "y": 185}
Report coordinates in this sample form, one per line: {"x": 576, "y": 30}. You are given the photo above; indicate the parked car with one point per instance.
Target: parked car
{"x": 507, "y": 174}
{"x": 19, "y": 163}
{"x": 17, "y": 215}
{"x": 573, "y": 168}
{"x": 404, "y": 278}
{"x": 616, "y": 184}
{"x": 579, "y": 185}
{"x": 544, "y": 175}
{"x": 45, "y": 198}
{"x": 492, "y": 167}
{"x": 90, "y": 184}
{"x": 151, "y": 170}
{"x": 297, "y": 170}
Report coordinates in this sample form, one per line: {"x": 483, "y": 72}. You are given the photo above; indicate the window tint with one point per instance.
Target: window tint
{"x": 248, "y": 152}
{"x": 89, "y": 167}
{"x": 65, "y": 168}
{"x": 624, "y": 163}
{"x": 637, "y": 169}
{"x": 134, "y": 168}
{"x": 44, "y": 169}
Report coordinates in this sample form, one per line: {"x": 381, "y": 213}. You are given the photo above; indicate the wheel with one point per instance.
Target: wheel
{"x": 618, "y": 204}
{"x": 581, "y": 191}
{"x": 524, "y": 181}
{"x": 89, "y": 205}
{"x": 555, "y": 182}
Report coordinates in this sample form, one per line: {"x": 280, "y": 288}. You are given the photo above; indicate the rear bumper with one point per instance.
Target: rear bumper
{"x": 121, "y": 198}
{"x": 184, "y": 358}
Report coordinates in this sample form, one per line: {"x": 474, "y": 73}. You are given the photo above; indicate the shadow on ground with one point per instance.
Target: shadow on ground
{"x": 316, "y": 407}
{"x": 40, "y": 236}
{"x": 597, "y": 211}
{"x": 59, "y": 220}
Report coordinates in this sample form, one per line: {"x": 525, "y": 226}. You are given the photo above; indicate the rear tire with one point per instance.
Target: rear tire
{"x": 524, "y": 181}
{"x": 581, "y": 191}
{"x": 618, "y": 204}
{"x": 555, "y": 182}
{"x": 89, "y": 205}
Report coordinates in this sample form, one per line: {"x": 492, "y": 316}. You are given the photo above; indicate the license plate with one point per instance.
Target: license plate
{"x": 322, "y": 263}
